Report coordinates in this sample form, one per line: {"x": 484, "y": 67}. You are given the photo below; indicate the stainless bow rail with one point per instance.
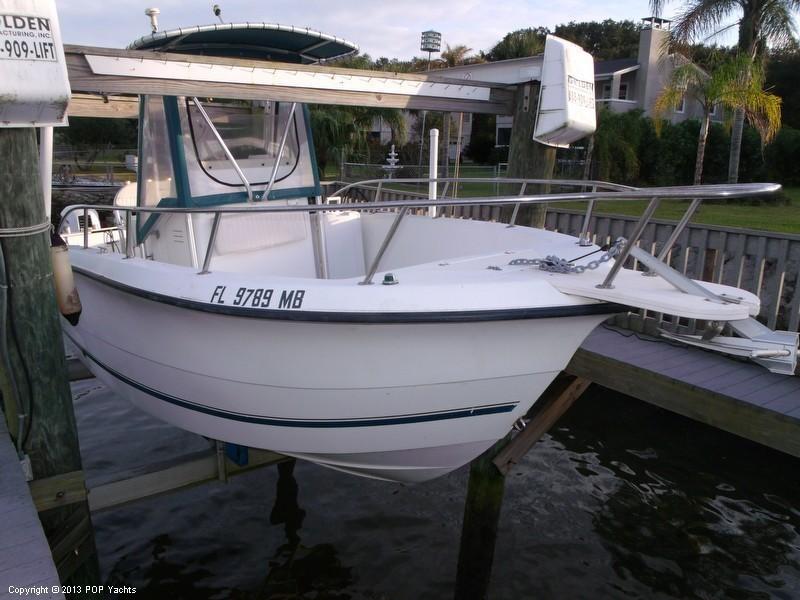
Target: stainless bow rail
{"x": 523, "y": 183}
{"x": 599, "y": 191}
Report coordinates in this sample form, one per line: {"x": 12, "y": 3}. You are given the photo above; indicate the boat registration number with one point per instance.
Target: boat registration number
{"x": 258, "y": 297}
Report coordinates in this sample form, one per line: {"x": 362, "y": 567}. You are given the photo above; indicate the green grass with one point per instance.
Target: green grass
{"x": 744, "y": 214}
{"x": 782, "y": 218}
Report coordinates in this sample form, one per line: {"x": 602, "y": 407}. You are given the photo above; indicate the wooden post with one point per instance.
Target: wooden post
{"x": 486, "y": 487}
{"x": 479, "y": 529}
{"x": 37, "y": 359}
{"x": 528, "y": 159}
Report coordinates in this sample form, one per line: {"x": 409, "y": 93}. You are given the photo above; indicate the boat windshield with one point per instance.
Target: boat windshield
{"x": 252, "y": 131}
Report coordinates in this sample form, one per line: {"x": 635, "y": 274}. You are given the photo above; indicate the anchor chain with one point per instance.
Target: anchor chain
{"x": 555, "y": 264}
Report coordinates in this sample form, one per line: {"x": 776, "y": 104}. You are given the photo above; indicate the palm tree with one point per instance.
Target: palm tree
{"x": 456, "y": 55}
{"x": 736, "y": 84}
{"x": 343, "y": 129}
{"x": 760, "y": 22}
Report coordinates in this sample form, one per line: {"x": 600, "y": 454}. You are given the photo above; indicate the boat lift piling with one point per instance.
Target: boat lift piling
{"x": 527, "y": 159}
{"x": 486, "y": 487}
{"x": 34, "y": 380}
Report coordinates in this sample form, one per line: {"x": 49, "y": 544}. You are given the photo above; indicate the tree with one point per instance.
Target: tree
{"x": 617, "y": 141}
{"x": 519, "y": 44}
{"x": 735, "y": 84}
{"x": 605, "y": 40}
{"x": 783, "y": 79}
{"x": 455, "y": 55}
{"x": 760, "y": 22}
{"x": 338, "y": 129}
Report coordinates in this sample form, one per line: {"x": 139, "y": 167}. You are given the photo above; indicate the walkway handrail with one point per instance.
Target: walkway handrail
{"x": 655, "y": 195}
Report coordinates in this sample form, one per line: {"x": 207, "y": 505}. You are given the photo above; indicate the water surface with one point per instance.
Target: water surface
{"x": 620, "y": 500}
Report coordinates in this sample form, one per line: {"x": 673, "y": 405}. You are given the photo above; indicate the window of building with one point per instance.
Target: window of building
{"x": 681, "y": 105}
{"x": 623, "y": 91}
{"x": 606, "y": 95}
{"x": 503, "y": 136}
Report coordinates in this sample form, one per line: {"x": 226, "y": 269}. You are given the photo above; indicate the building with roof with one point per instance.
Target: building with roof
{"x": 621, "y": 85}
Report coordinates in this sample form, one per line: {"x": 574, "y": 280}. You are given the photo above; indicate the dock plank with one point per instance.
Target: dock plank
{"x": 31, "y": 563}
{"x": 698, "y": 371}
{"x": 736, "y": 396}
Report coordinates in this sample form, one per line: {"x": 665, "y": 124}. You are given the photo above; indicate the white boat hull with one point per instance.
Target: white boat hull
{"x": 400, "y": 401}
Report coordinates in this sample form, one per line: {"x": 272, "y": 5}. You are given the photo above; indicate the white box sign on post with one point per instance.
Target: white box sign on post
{"x": 566, "y": 110}
{"x": 34, "y": 86}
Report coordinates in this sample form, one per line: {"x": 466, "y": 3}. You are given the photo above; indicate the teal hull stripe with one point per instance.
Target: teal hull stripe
{"x": 477, "y": 411}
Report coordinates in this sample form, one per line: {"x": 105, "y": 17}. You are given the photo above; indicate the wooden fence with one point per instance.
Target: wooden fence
{"x": 764, "y": 263}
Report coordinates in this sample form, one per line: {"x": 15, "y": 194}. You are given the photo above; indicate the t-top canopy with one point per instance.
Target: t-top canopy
{"x": 265, "y": 41}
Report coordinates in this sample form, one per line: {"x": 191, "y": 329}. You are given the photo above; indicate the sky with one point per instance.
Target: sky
{"x": 388, "y": 28}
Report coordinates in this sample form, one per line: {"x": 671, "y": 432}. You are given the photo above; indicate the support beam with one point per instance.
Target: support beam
{"x": 486, "y": 487}
{"x": 479, "y": 530}
{"x": 32, "y": 331}
{"x": 551, "y": 406}
{"x": 178, "y": 473}
{"x": 111, "y": 71}
{"x": 98, "y": 105}
{"x": 528, "y": 159}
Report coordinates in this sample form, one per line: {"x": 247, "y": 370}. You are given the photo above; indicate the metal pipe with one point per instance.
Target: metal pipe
{"x": 679, "y": 229}
{"x": 211, "y": 240}
{"x": 623, "y": 255}
{"x": 433, "y": 168}
{"x": 516, "y": 206}
{"x": 129, "y": 235}
{"x": 46, "y": 167}
{"x": 560, "y": 182}
{"x": 285, "y": 134}
{"x": 584, "y": 239}
{"x": 378, "y": 191}
{"x": 85, "y": 227}
{"x": 731, "y": 191}
{"x": 225, "y": 149}
{"x": 384, "y": 245}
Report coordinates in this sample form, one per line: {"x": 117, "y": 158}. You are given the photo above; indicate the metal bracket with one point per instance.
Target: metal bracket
{"x": 677, "y": 279}
{"x": 774, "y": 350}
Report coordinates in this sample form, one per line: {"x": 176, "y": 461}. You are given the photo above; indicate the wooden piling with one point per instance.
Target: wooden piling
{"x": 528, "y": 159}
{"x": 479, "y": 530}
{"x": 487, "y": 485}
{"x": 38, "y": 366}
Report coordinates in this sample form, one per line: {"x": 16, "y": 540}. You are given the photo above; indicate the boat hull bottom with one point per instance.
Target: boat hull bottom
{"x": 411, "y": 466}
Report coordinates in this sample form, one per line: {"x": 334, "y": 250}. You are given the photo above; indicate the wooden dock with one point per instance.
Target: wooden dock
{"x": 25, "y": 558}
{"x": 734, "y": 395}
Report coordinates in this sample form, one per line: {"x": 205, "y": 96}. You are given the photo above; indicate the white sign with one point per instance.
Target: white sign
{"x": 566, "y": 98}
{"x": 34, "y": 86}
{"x": 24, "y": 37}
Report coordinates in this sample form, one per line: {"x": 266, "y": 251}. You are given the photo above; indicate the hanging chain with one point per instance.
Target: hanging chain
{"x": 554, "y": 264}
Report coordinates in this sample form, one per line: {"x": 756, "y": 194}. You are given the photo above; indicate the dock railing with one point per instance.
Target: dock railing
{"x": 600, "y": 191}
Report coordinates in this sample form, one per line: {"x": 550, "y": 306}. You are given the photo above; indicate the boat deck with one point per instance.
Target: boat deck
{"x": 736, "y": 396}
{"x": 25, "y": 558}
